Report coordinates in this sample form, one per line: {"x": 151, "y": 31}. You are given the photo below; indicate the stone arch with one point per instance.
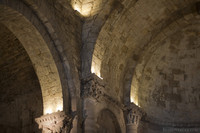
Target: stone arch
{"x": 99, "y": 48}
{"x": 20, "y": 91}
{"x": 107, "y": 122}
{"x": 57, "y": 42}
{"x": 42, "y": 57}
{"x": 130, "y": 80}
{"x": 115, "y": 111}
{"x": 179, "y": 33}
{"x": 91, "y": 30}
{"x": 123, "y": 37}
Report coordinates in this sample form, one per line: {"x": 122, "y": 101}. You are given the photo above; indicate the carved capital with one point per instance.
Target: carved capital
{"x": 95, "y": 87}
{"x": 92, "y": 87}
{"x": 54, "y": 123}
{"x": 134, "y": 115}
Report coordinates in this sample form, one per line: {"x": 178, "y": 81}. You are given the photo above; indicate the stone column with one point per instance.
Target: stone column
{"x": 94, "y": 96}
{"x": 90, "y": 125}
{"x": 56, "y": 122}
{"x": 133, "y": 119}
{"x": 74, "y": 113}
{"x": 90, "y": 96}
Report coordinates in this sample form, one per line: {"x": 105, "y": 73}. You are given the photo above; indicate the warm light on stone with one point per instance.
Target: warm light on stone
{"x": 134, "y": 99}
{"x": 48, "y": 111}
{"x": 54, "y": 123}
{"x": 81, "y": 10}
{"x": 44, "y": 64}
{"x": 53, "y": 106}
{"x": 96, "y": 71}
{"x": 85, "y": 7}
{"x": 96, "y": 66}
{"x": 134, "y": 95}
{"x": 99, "y": 66}
{"x": 77, "y": 8}
{"x": 59, "y": 108}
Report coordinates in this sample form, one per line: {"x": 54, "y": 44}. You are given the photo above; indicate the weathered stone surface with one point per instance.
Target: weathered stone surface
{"x": 56, "y": 122}
{"x": 146, "y": 52}
{"x": 97, "y": 99}
{"x": 20, "y": 93}
{"x": 173, "y": 79}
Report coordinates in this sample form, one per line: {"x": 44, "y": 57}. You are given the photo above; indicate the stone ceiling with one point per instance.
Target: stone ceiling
{"x": 166, "y": 78}
{"x": 20, "y": 91}
{"x": 124, "y": 60}
{"x": 16, "y": 70}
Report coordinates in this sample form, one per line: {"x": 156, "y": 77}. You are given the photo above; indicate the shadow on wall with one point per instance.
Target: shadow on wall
{"x": 20, "y": 92}
{"x": 107, "y": 122}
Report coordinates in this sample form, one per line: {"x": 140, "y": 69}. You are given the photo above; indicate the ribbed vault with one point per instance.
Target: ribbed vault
{"x": 125, "y": 37}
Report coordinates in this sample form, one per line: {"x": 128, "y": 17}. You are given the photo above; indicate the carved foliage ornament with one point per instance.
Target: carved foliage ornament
{"x": 54, "y": 123}
{"x": 133, "y": 117}
{"x": 134, "y": 114}
{"x": 95, "y": 87}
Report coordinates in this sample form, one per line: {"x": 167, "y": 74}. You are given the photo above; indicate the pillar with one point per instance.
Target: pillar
{"x": 95, "y": 97}
{"x": 133, "y": 119}
{"x": 74, "y": 103}
{"x": 90, "y": 125}
{"x": 90, "y": 95}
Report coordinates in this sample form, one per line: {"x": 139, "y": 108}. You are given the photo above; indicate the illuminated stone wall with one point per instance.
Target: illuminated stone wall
{"x": 46, "y": 69}
{"x": 88, "y": 7}
{"x": 53, "y": 50}
{"x": 64, "y": 27}
{"x": 40, "y": 56}
{"x": 171, "y": 76}
{"x": 122, "y": 42}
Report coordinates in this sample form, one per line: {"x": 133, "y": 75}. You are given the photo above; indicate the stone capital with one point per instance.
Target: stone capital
{"x": 94, "y": 87}
{"x": 134, "y": 115}
{"x": 56, "y": 122}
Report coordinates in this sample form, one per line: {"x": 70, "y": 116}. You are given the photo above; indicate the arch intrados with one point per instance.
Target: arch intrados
{"x": 40, "y": 56}
{"x": 194, "y": 20}
{"x": 131, "y": 64}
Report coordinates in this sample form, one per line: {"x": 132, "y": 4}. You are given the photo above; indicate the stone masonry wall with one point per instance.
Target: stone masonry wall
{"x": 168, "y": 70}
{"x": 67, "y": 26}
{"x": 128, "y": 30}
{"x": 20, "y": 93}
